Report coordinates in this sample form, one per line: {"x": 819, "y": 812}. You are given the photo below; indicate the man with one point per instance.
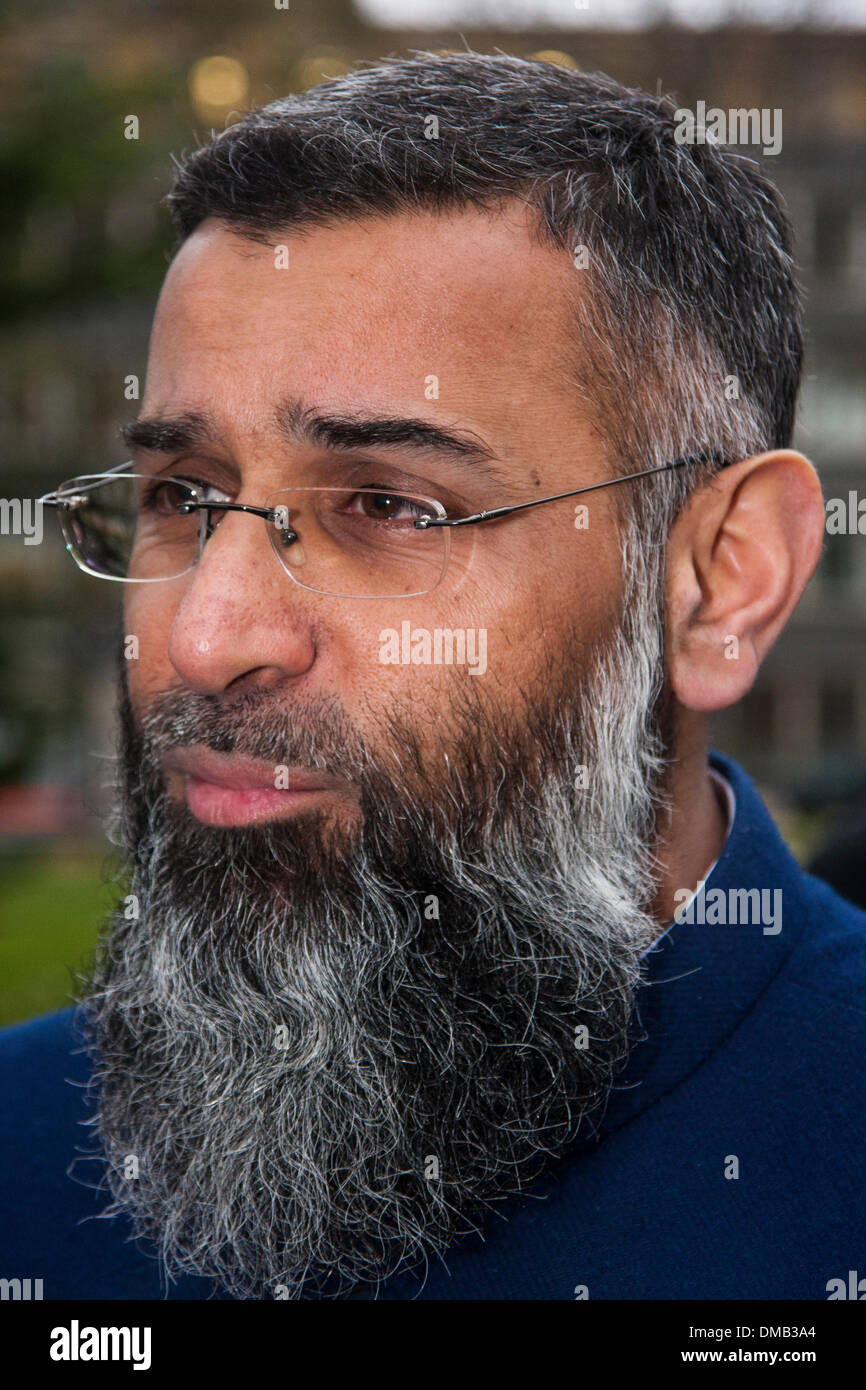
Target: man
{"x": 448, "y": 965}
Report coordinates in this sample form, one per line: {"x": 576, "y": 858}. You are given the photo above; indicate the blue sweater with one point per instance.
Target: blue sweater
{"x": 753, "y": 1052}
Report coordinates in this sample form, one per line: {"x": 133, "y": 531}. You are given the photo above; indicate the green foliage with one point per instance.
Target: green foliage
{"x": 50, "y": 914}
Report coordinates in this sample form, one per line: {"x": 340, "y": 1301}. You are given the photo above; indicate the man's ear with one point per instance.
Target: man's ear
{"x": 739, "y": 557}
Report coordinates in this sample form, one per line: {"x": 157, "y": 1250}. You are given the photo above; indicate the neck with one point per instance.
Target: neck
{"x": 692, "y": 837}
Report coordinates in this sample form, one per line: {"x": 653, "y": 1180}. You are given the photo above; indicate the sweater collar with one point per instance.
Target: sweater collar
{"x": 702, "y": 978}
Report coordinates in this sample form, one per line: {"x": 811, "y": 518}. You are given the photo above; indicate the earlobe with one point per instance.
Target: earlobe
{"x": 739, "y": 557}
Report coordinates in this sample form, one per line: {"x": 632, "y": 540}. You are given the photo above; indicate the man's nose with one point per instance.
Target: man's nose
{"x": 241, "y": 619}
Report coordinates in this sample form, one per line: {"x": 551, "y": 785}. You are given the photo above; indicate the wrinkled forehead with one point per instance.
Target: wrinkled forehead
{"x": 467, "y": 313}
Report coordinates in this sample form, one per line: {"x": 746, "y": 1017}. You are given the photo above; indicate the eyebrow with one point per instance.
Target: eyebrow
{"x": 169, "y": 434}
{"x": 336, "y": 432}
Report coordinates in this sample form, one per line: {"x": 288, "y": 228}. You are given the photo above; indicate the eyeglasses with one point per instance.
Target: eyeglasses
{"x": 344, "y": 542}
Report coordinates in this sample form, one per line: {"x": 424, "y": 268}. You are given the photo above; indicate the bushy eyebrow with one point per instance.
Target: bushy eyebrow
{"x": 336, "y": 432}
{"x": 357, "y": 430}
{"x": 171, "y": 433}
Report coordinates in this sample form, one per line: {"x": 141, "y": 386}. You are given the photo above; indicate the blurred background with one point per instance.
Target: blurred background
{"x": 83, "y": 247}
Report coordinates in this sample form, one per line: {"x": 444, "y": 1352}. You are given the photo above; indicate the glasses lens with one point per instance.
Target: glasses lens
{"x": 358, "y": 542}
{"x": 130, "y": 527}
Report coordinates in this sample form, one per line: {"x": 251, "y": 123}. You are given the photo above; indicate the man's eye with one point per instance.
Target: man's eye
{"x": 165, "y": 495}
{"x": 388, "y": 506}
{"x": 209, "y": 492}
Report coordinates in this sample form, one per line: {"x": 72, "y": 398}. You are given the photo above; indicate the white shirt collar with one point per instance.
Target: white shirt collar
{"x": 730, "y": 799}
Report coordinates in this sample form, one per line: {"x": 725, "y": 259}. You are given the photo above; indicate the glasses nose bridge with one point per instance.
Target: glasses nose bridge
{"x": 215, "y": 511}
{"x": 224, "y": 526}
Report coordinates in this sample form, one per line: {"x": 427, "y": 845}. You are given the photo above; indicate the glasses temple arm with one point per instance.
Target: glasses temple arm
{"x": 423, "y": 523}
{"x": 52, "y": 498}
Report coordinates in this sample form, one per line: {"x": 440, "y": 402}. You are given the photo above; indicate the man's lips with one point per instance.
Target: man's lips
{"x": 226, "y": 789}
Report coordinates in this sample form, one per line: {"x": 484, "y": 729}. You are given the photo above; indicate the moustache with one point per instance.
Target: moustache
{"x": 257, "y": 725}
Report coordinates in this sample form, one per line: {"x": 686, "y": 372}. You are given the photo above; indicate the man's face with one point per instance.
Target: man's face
{"x": 365, "y": 315}
{"x": 340, "y": 1022}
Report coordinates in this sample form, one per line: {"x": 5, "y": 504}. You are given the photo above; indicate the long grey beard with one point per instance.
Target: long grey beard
{"x": 328, "y": 1054}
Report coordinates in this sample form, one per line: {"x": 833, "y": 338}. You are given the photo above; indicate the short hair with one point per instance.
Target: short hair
{"x": 687, "y": 313}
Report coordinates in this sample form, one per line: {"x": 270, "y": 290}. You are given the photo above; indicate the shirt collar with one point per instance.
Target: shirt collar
{"x": 701, "y": 979}
{"x": 729, "y": 798}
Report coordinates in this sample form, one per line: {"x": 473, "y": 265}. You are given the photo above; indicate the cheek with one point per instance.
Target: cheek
{"x": 532, "y": 588}
{"x": 148, "y": 613}
{"x": 486, "y": 634}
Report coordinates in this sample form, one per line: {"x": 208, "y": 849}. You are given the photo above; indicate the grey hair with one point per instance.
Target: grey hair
{"x": 688, "y": 338}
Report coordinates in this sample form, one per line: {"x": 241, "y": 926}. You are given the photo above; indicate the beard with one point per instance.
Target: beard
{"x": 330, "y": 1050}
